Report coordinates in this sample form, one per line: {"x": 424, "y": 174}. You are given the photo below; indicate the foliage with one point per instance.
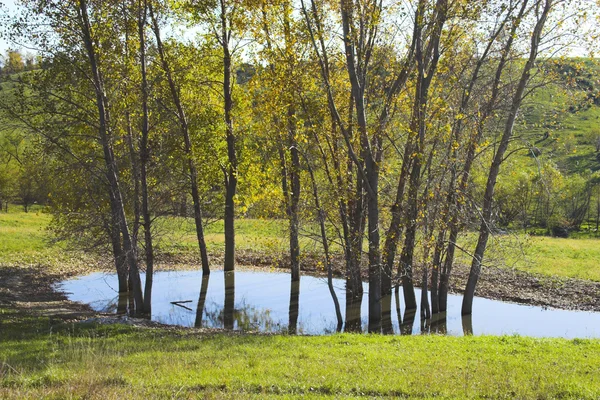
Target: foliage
{"x": 397, "y": 127}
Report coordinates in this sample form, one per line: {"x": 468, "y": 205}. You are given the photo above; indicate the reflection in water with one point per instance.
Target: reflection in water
{"x": 131, "y": 303}
{"x": 262, "y": 303}
{"x": 425, "y": 312}
{"x": 228, "y": 317}
{"x": 406, "y": 328}
{"x": 425, "y": 324}
{"x": 353, "y": 308}
{"x": 336, "y": 302}
{"x": 439, "y": 324}
{"x": 387, "y": 327}
{"x": 201, "y": 300}
{"x": 467, "y": 324}
{"x": 294, "y": 307}
{"x": 245, "y": 317}
{"x": 122, "y": 302}
{"x": 398, "y": 308}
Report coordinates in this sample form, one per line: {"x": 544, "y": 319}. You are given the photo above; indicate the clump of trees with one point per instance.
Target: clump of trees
{"x": 386, "y": 124}
{"x": 14, "y": 61}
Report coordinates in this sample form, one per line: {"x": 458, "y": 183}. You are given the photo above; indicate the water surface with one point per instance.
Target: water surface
{"x": 261, "y": 301}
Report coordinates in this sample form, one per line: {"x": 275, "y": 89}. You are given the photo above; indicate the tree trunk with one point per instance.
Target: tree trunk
{"x": 354, "y": 286}
{"x": 486, "y": 214}
{"x": 135, "y": 177}
{"x": 427, "y": 58}
{"x": 294, "y": 152}
{"x": 144, "y": 159}
{"x": 294, "y": 197}
{"x": 374, "y": 249}
{"x": 454, "y": 200}
{"x": 325, "y": 242}
{"x": 117, "y": 206}
{"x": 390, "y": 249}
{"x": 370, "y": 154}
{"x": 232, "y": 169}
{"x": 119, "y": 257}
{"x": 187, "y": 143}
{"x": 201, "y": 300}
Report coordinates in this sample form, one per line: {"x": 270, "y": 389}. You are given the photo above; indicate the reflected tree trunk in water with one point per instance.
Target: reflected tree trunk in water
{"x": 439, "y": 324}
{"x": 425, "y": 312}
{"x": 398, "y": 308}
{"x": 201, "y": 300}
{"x": 435, "y": 273}
{"x": 386, "y": 324}
{"x": 387, "y": 327}
{"x": 406, "y": 327}
{"x": 353, "y": 317}
{"x": 294, "y": 307}
{"x": 228, "y": 315}
{"x": 122, "y": 301}
{"x": 131, "y": 304}
{"x": 336, "y": 303}
{"x": 425, "y": 326}
{"x": 467, "y": 324}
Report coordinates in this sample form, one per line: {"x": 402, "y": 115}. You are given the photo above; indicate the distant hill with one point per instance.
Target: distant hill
{"x": 562, "y": 119}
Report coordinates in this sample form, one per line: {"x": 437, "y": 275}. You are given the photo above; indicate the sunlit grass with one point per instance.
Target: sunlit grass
{"x": 179, "y": 234}
{"x": 116, "y": 361}
{"x": 571, "y": 258}
{"x": 24, "y": 240}
{"x": 576, "y": 258}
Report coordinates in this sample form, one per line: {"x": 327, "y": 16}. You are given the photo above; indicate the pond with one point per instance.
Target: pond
{"x": 260, "y": 301}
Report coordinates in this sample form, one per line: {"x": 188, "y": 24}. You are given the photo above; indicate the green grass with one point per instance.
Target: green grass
{"x": 569, "y": 258}
{"x": 177, "y": 234}
{"x": 570, "y": 143}
{"x": 38, "y": 359}
{"x": 574, "y": 258}
{"x": 22, "y": 232}
{"x": 24, "y": 240}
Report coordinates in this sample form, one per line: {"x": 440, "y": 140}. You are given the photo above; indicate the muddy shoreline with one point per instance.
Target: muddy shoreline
{"x": 30, "y": 289}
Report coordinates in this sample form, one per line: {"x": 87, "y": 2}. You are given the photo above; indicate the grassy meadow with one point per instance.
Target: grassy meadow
{"x": 39, "y": 360}
{"x": 24, "y": 240}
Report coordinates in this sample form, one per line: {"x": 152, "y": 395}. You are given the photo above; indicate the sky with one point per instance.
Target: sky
{"x": 10, "y": 7}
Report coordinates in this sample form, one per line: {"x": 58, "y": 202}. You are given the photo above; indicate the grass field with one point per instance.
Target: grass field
{"x": 82, "y": 361}
{"x": 25, "y": 240}
{"x": 572, "y": 258}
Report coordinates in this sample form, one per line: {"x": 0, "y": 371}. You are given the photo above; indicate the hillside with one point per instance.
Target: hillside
{"x": 562, "y": 118}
